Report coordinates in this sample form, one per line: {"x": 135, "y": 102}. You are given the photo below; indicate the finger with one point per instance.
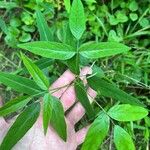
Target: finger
{"x": 78, "y": 111}
{"x": 66, "y": 78}
{"x": 68, "y": 98}
{"x": 80, "y": 135}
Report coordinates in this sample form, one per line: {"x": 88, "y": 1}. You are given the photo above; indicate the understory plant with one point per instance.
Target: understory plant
{"x": 71, "y": 52}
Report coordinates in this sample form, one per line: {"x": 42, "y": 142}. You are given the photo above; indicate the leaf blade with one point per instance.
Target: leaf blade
{"x": 110, "y": 90}
{"x": 47, "y": 111}
{"x": 77, "y": 19}
{"x": 102, "y": 49}
{"x": 19, "y": 83}
{"x": 126, "y": 112}
{"x": 96, "y": 133}
{"x": 36, "y": 73}
{"x": 57, "y": 118}
{"x": 43, "y": 28}
{"x": 122, "y": 139}
{"x": 83, "y": 98}
{"x": 49, "y": 49}
{"x": 13, "y": 105}
{"x": 22, "y": 124}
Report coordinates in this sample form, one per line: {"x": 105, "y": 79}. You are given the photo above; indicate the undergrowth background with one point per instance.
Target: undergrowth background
{"x": 116, "y": 20}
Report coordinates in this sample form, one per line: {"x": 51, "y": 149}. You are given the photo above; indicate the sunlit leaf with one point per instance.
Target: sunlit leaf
{"x": 122, "y": 139}
{"x": 102, "y": 49}
{"x": 126, "y": 112}
{"x": 77, "y": 19}
{"x": 50, "y": 49}
{"x": 96, "y": 133}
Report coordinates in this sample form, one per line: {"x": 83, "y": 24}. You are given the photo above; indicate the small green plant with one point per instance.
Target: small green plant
{"x": 71, "y": 51}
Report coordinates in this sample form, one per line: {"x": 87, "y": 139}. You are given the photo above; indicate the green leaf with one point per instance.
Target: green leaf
{"x": 19, "y": 83}
{"x": 36, "y": 73}
{"x": 126, "y": 112}
{"x": 3, "y": 26}
{"x": 14, "y": 105}
{"x": 41, "y": 63}
{"x": 20, "y": 127}
{"x": 77, "y": 19}
{"x": 96, "y": 133}
{"x": 50, "y": 49}
{"x": 122, "y": 139}
{"x": 102, "y": 49}
{"x": 107, "y": 89}
{"x": 67, "y": 5}
{"x": 73, "y": 64}
{"x": 8, "y": 5}
{"x": 81, "y": 95}
{"x": 47, "y": 111}
{"x": 25, "y": 37}
{"x": 58, "y": 119}
{"x": 43, "y": 28}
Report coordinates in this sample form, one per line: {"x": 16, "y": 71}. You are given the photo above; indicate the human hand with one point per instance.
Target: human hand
{"x": 35, "y": 138}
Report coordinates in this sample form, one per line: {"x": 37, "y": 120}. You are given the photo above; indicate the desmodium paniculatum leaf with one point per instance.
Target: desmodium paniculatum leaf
{"x": 96, "y": 133}
{"x": 20, "y": 127}
{"x": 77, "y": 19}
{"x": 49, "y": 49}
{"x": 43, "y": 28}
{"x": 38, "y": 76}
{"x": 102, "y": 49}
{"x": 122, "y": 139}
{"x": 14, "y": 105}
{"x": 20, "y": 84}
{"x": 47, "y": 110}
{"x": 126, "y": 112}
{"x": 81, "y": 95}
{"x": 108, "y": 89}
{"x": 57, "y": 119}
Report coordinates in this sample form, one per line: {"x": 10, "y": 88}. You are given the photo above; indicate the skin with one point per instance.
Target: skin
{"x": 35, "y": 139}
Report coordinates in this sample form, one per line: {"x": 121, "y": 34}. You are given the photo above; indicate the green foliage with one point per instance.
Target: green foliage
{"x": 97, "y": 132}
{"x": 83, "y": 98}
{"x": 127, "y": 112}
{"x": 14, "y": 105}
{"x": 36, "y": 73}
{"x": 102, "y": 49}
{"x": 57, "y": 119}
{"x": 20, "y": 84}
{"x": 43, "y": 28}
{"x": 115, "y": 22}
{"x": 77, "y": 19}
{"x": 22, "y": 124}
{"x": 122, "y": 139}
{"x": 47, "y": 111}
{"x": 50, "y": 49}
{"x": 107, "y": 89}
